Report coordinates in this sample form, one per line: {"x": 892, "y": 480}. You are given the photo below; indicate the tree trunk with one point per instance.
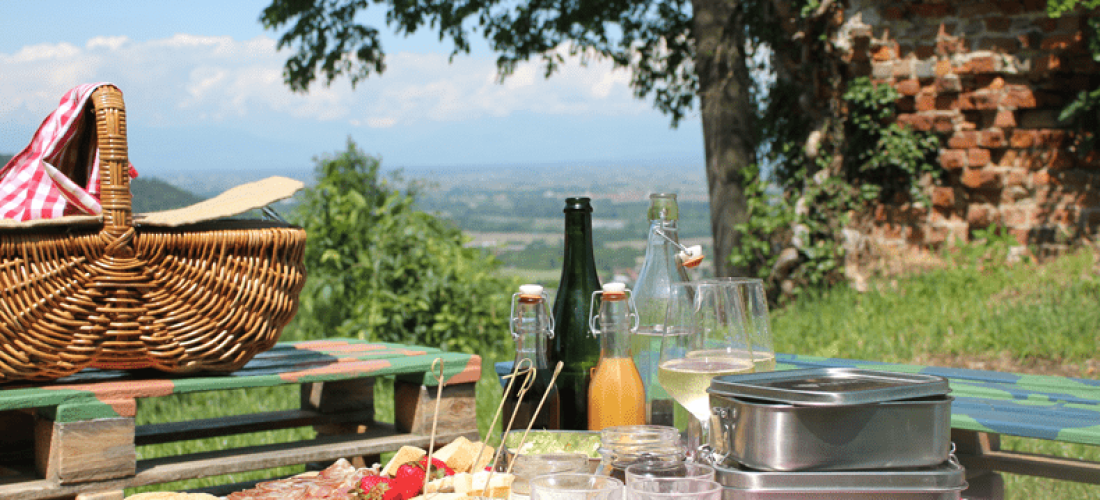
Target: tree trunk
{"x": 728, "y": 117}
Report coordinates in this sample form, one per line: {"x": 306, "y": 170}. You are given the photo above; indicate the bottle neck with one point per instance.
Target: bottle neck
{"x": 578, "y": 258}
{"x": 615, "y": 325}
{"x": 532, "y": 328}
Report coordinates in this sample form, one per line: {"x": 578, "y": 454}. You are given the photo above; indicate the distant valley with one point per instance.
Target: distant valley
{"x": 514, "y": 212}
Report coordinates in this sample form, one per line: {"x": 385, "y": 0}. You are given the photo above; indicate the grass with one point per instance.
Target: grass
{"x": 1026, "y": 313}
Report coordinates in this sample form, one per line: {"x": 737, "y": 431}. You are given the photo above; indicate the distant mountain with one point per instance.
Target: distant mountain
{"x": 4, "y": 159}
{"x": 151, "y": 194}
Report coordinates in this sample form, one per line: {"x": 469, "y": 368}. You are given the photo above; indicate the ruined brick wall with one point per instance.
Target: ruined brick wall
{"x": 990, "y": 78}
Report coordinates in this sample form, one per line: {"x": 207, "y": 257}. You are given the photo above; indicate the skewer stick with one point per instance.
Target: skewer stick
{"x": 549, "y": 387}
{"x": 435, "y": 421}
{"x": 528, "y": 380}
{"x": 500, "y": 408}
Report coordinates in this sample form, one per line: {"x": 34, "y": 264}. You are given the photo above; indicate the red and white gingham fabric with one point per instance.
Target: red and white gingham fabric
{"x": 32, "y": 188}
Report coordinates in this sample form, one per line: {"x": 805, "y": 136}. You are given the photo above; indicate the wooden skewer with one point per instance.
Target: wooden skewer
{"x": 435, "y": 421}
{"x": 527, "y": 382}
{"x": 549, "y": 387}
{"x": 500, "y": 408}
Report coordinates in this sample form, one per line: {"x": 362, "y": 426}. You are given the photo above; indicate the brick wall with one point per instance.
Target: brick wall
{"x": 990, "y": 79}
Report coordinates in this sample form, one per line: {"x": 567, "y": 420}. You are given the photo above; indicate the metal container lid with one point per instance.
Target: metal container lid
{"x": 944, "y": 477}
{"x": 829, "y": 386}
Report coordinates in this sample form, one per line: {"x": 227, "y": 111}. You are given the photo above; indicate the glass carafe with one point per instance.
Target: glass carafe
{"x": 532, "y": 328}
{"x": 651, "y": 293}
{"x": 616, "y": 395}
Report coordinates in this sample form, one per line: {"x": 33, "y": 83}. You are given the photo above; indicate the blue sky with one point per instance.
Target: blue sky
{"x": 203, "y": 87}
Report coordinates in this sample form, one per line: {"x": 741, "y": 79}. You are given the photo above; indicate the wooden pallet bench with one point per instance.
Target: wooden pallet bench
{"x": 989, "y": 404}
{"x": 75, "y": 437}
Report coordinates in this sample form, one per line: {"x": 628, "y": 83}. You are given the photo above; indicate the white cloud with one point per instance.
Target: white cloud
{"x": 188, "y": 79}
{"x": 108, "y": 42}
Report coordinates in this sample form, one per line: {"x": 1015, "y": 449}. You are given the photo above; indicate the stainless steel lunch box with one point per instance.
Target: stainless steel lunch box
{"x": 826, "y": 419}
{"x": 945, "y": 481}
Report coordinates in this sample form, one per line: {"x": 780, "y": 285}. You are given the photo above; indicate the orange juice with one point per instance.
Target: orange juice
{"x": 616, "y": 395}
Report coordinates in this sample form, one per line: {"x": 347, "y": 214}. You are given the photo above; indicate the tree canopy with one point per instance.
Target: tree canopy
{"x": 651, "y": 37}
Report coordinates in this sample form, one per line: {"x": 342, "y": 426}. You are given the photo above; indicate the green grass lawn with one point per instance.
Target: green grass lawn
{"x": 1032, "y": 315}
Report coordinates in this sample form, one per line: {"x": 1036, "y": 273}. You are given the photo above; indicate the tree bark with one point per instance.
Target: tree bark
{"x": 728, "y": 118}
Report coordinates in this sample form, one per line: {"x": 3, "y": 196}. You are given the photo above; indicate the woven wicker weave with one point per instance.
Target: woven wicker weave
{"x": 207, "y": 296}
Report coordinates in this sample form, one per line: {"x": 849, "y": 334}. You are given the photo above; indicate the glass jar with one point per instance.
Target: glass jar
{"x": 623, "y": 446}
{"x": 526, "y": 467}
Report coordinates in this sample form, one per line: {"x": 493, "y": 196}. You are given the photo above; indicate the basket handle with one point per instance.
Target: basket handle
{"x": 114, "y": 164}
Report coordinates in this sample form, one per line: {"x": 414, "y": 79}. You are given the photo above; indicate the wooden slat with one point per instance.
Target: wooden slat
{"x": 1065, "y": 469}
{"x": 328, "y": 448}
{"x": 238, "y": 424}
{"x": 161, "y": 470}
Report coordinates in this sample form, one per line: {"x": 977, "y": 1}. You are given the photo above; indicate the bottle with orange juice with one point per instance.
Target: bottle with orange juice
{"x": 616, "y": 395}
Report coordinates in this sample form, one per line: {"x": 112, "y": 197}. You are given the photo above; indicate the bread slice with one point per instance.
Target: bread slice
{"x": 457, "y": 454}
{"x": 463, "y": 482}
{"x": 404, "y": 455}
{"x": 500, "y": 484}
{"x": 445, "y": 484}
{"x": 484, "y": 460}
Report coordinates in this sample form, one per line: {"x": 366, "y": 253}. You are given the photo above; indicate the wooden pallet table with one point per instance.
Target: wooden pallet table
{"x": 75, "y": 437}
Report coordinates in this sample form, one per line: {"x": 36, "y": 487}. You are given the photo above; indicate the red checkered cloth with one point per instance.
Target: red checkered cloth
{"x": 43, "y": 181}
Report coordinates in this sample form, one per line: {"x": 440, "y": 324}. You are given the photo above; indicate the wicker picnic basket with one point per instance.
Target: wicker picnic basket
{"x": 196, "y": 297}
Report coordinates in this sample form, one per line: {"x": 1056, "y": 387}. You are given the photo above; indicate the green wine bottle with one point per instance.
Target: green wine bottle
{"x": 573, "y": 343}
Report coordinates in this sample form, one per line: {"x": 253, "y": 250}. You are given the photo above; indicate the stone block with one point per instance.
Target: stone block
{"x": 981, "y": 178}
{"x": 909, "y": 87}
{"x": 1004, "y": 119}
{"x": 953, "y": 159}
{"x": 992, "y": 138}
{"x": 979, "y": 216}
{"x": 1023, "y": 138}
{"x": 1019, "y": 97}
{"x": 1015, "y": 216}
{"x": 978, "y": 157}
{"x": 963, "y": 140}
{"x": 943, "y": 197}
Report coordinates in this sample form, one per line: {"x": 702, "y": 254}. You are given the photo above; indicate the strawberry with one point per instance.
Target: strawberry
{"x": 410, "y": 470}
{"x": 409, "y": 486}
{"x": 439, "y": 469}
{"x": 377, "y": 488}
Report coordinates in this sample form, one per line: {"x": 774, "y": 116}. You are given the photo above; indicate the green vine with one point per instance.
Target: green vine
{"x": 1083, "y": 112}
{"x": 858, "y": 156}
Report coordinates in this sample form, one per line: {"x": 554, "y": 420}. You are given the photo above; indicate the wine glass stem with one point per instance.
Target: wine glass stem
{"x": 698, "y": 435}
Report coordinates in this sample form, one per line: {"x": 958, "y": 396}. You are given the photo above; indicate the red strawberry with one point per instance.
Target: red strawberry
{"x": 409, "y": 486}
{"x": 409, "y": 478}
{"x": 377, "y": 488}
{"x": 437, "y": 466}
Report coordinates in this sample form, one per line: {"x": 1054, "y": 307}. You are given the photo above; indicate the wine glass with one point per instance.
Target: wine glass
{"x": 658, "y": 470}
{"x": 705, "y": 338}
{"x": 679, "y": 488}
{"x": 576, "y": 487}
{"x": 747, "y": 295}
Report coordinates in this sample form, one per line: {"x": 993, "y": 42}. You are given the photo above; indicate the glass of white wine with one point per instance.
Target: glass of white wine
{"x": 705, "y": 339}
{"x": 748, "y": 297}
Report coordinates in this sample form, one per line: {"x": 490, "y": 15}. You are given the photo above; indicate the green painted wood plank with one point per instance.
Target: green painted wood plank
{"x": 286, "y": 363}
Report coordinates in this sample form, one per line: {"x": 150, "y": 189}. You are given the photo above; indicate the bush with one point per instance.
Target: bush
{"x": 381, "y": 270}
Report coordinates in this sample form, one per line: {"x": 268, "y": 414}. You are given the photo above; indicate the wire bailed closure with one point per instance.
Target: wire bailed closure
{"x": 206, "y": 296}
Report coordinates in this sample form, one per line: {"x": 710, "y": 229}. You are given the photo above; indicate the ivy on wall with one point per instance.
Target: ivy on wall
{"x": 1083, "y": 112}
{"x": 831, "y": 148}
